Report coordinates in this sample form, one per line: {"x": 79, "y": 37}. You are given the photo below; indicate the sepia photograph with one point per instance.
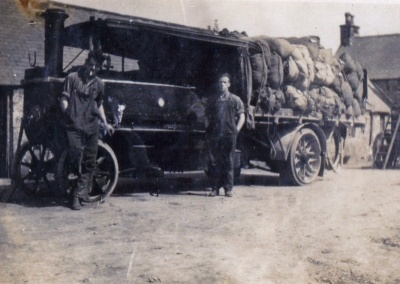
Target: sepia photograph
{"x": 199, "y": 141}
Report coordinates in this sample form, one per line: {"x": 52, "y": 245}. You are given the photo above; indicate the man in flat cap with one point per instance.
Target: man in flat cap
{"x": 82, "y": 105}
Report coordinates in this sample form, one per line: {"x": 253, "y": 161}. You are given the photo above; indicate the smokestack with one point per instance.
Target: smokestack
{"x": 348, "y": 30}
{"x": 53, "y": 48}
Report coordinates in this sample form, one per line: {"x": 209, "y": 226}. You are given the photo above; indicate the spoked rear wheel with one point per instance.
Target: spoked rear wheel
{"x": 334, "y": 155}
{"x": 105, "y": 176}
{"x": 33, "y": 169}
{"x": 304, "y": 161}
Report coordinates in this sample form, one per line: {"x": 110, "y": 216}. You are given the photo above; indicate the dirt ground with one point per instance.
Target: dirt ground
{"x": 342, "y": 229}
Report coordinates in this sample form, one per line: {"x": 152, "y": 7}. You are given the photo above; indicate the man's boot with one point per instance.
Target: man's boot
{"x": 75, "y": 203}
{"x": 83, "y": 187}
{"x": 228, "y": 193}
{"x": 214, "y": 192}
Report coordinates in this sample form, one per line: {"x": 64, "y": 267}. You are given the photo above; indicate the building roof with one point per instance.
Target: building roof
{"x": 22, "y": 34}
{"x": 380, "y": 55}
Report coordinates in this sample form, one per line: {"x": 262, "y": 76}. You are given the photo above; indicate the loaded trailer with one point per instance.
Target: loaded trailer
{"x": 161, "y": 74}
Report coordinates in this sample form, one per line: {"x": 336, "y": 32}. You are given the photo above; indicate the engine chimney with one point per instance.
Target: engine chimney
{"x": 53, "y": 48}
{"x": 348, "y": 30}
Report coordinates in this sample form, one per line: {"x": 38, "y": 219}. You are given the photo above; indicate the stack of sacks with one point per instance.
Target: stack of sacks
{"x": 260, "y": 63}
{"x": 324, "y": 70}
{"x": 306, "y": 66}
{"x": 279, "y": 45}
{"x": 259, "y": 70}
{"x": 288, "y": 67}
{"x": 290, "y": 70}
{"x": 275, "y": 73}
{"x": 280, "y": 50}
{"x": 327, "y": 101}
{"x": 299, "y": 68}
{"x": 353, "y": 72}
{"x": 273, "y": 100}
{"x": 312, "y": 44}
{"x": 324, "y": 75}
{"x": 308, "y": 74}
{"x": 267, "y": 72}
{"x": 347, "y": 79}
{"x": 342, "y": 87}
{"x": 296, "y": 99}
{"x": 327, "y": 69}
{"x": 325, "y": 55}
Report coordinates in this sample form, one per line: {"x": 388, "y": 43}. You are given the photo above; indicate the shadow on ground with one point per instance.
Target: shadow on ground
{"x": 48, "y": 198}
{"x": 189, "y": 183}
{"x": 193, "y": 183}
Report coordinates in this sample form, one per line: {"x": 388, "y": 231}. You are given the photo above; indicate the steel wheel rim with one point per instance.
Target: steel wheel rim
{"x": 307, "y": 158}
{"x": 334, "y": 151}
{"x": 105, "y": 175}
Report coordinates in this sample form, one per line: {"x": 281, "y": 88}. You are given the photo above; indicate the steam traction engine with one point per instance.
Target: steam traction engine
{"x": 162, "y": 75}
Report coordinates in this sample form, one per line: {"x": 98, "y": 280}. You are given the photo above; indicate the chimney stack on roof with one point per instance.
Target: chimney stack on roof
{"x": 348, "y": 30}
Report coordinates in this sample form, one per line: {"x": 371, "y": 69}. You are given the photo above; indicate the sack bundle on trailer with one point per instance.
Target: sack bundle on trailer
{"x": 299, "y": 74}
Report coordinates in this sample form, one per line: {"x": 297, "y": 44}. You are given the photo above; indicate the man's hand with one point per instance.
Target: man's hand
{"x": 63, "y": 103}
{"x": 109, "y": 128}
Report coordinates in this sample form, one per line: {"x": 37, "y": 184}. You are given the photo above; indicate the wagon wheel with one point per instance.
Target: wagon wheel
{"x": 334, "y": 156}
{"x": 304, "y": 161}
{"x": 34, "y": 169}
{"x": 105, "y": 176}
{"x": 381, "y": 144}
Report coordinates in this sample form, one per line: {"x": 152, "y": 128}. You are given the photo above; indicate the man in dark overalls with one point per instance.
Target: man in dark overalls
{"x": 224, "y": 119}
{"x": 82, "y": 105}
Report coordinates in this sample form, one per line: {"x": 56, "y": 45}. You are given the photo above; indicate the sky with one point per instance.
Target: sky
{"x": 265, "y": 17}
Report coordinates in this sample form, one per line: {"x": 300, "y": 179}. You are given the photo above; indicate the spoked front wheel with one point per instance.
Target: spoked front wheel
{"x": 304, "y": 161}
{"x": 105, "y": 176}
{"x": 34, "y": 168}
